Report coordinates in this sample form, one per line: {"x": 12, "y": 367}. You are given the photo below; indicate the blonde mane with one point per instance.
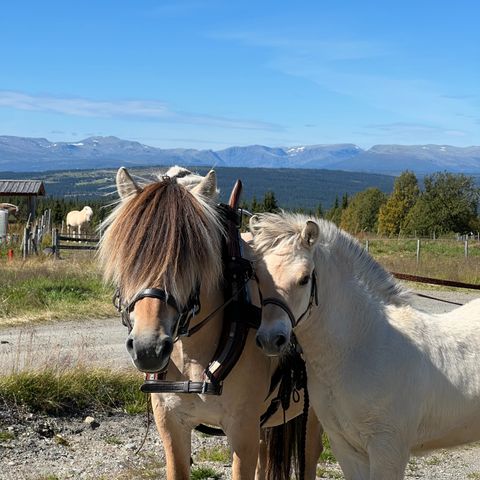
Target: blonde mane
{"x": 165, "y": 236}
{"x": 276, "y": 230}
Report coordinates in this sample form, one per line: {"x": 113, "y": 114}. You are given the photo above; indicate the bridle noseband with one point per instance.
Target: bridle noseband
{"x": 183, "y": 319}
{"x": 278, "y": 302}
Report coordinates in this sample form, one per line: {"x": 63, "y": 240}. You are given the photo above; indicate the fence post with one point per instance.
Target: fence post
{"x": 55, "y": 242}
{"x": 26, "y": 238}
{"x": 367, "y": 245}
{"x": 418, "y": 251}
{"x": 466, "y": 247}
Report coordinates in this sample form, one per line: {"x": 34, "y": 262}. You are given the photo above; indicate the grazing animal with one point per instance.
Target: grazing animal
{"x": 167, "y": 235}
{"x": 386, "y": 380}
{"x": 76, "y": 219}
{"x": 12, "y": 209}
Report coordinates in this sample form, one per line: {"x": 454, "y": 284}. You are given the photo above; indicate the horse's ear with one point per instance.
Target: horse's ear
{"x": 310, "y": 234}
{"x": 208, "y": 186}
{"x": 126, "y": 185}
{"x": 253, "y": 224}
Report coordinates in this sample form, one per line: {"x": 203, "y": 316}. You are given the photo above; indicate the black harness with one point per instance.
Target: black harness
{"x": 184, "y": 316}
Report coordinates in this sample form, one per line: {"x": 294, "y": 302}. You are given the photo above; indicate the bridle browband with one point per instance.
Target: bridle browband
{"x": 278, "y": 302}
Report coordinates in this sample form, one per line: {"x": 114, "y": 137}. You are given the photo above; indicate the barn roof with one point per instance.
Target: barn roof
{"x": 22, "y": 187}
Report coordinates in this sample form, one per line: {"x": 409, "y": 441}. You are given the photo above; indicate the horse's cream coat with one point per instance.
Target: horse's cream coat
{"x": 12, "y": 209}
{"x": 385, "y": 379}
{"x": 244, "y": 398}
{"x": 76, "y": 219}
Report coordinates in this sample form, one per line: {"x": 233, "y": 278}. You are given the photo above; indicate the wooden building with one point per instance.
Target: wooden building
{"x": 23, "y": 188}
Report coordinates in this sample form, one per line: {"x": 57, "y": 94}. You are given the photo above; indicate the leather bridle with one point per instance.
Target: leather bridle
{"x": 278, "y": 302}
{"x": 184, "y": 315}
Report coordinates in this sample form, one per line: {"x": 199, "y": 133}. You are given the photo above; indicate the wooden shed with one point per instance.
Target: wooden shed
{"x": 23, "y": 188}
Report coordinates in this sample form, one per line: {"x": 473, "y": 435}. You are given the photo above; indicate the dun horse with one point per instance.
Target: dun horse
{"x": 386, "y": 380}
{"x": 167, "y": 236}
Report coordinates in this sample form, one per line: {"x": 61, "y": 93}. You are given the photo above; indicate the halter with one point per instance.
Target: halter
{"x": 183, "y": 319}
{"x": 281, "y": 304}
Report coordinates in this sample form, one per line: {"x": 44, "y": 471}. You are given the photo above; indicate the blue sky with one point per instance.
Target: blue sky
{"x": 211, "y": 74}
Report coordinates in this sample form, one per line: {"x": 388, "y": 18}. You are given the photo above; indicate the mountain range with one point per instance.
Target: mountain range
{"x": 24, "y": 154}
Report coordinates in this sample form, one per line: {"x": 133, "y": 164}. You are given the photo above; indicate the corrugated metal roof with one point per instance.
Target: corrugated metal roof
{"x": 22, "y": 187}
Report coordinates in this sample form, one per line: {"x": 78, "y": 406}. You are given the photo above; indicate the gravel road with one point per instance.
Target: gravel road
{"x": 39, "y": 448}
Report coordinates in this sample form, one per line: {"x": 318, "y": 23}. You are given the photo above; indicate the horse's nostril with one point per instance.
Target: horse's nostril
{"x": 129, "y": 344}
{"x": 280, "y": 341}
{"x": 168, "y": 346}
{"x": 258, "y": 342}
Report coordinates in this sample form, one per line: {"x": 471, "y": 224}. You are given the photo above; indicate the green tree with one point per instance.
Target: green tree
{"x": 270, "y": 203}
{"x": 362, "y": 212}
{"x": 335, "y": 213}
{"x": 448, "y": 204}
{"x": 404, "y": 196}
{"x": 319, "y": 211}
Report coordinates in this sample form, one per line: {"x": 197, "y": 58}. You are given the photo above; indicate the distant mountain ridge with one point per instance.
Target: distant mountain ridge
{"x": 22, "y": 154}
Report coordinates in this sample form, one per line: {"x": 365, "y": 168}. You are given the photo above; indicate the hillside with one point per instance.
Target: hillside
{"x": 293, "y": 188}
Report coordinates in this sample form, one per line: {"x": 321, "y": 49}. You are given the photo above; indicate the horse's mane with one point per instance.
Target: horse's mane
{"x": 166, "y": 237}
{"x": 276, "y": 230}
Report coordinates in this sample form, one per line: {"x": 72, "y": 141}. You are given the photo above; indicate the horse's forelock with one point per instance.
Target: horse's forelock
{"x": 164, "y": 237}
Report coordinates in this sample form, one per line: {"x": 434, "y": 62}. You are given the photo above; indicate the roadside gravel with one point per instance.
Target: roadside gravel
{"x": 34, "y": 447}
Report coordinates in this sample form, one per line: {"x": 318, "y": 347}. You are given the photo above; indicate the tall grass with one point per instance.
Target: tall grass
{"x": 42, "y": 288}
{"x": 60, "y": 391}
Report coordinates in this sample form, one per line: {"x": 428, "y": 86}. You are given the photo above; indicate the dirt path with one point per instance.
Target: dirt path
{"x": 37, "y": 448}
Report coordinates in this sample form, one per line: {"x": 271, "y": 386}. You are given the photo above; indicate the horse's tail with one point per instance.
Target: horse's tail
{"x": 284, "y": 449}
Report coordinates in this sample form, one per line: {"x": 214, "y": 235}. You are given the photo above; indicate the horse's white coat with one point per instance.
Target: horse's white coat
{"x": 385, "y": 380}
{"x": 77, "y": 218}
{"x": 12, "y": 209}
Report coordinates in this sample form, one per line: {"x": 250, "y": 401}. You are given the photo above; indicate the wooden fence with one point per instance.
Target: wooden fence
{"x": 78, "y": 242}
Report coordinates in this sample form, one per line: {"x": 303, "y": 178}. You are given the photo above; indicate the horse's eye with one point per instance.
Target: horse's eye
{"x": 304, "y": 280}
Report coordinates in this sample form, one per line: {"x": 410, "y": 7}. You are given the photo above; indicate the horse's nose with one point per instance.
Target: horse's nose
{"x": 273, "y": 344}
{"x": 149, "y": 354}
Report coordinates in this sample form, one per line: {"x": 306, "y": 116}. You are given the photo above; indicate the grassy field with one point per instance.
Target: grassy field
{"x": 42, "y": 289}
{"x": 442, "y": 258}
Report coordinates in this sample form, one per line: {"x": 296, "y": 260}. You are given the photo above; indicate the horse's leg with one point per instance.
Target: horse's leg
{"x": 355, "y": 466}
{"x": 243, "y": 435}
{"x": 313, "y": 445}
{"x": 388, "y": 458}
{"x": 262, "y": 458}
{"x": 176, "y": 440}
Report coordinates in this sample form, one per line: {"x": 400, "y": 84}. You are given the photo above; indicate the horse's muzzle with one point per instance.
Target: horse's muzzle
{"x": 150, "y": 354}
{"x": 272, "y": 344}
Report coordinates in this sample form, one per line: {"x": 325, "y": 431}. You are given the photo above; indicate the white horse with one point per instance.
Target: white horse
{"x": 12, "y": 209}
{"x": 76, "y": 219}
{"x": 386, "y": 380}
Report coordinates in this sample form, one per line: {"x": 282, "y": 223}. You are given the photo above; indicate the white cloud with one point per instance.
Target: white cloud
{"x": 141, "y": 109}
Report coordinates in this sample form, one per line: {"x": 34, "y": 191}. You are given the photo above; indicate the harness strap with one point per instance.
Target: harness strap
{"x": 187, "y": 386}
{"x": 281, "y": 304}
